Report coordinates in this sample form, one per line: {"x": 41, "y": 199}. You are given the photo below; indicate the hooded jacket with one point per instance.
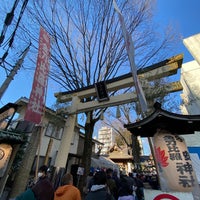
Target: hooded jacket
{"x": 67, "y": 192}
{"x": 99, "y": 192}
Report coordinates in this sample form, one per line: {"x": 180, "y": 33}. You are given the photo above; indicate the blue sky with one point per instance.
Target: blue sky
{"x": 184, "y": 15}
{"x": 181, "y": 14}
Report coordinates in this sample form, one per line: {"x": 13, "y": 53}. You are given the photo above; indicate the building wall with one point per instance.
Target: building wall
{"x": 76, "y": 145}
{"x": 192, "y": 43}
{"x": 51, "y": 118}
{"x": 44, "y": 138}
{"x": 106, "y": 136}
{"x": 190, "y": 80}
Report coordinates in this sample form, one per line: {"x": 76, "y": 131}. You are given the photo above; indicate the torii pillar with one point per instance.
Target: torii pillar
{"x": 62, "y": 156}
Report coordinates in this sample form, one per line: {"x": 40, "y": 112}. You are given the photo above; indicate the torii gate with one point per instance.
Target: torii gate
{"x": 165, "y": 68}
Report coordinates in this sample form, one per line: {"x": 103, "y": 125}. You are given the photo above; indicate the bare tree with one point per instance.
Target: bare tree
{"x": 131, "y": 113}
{"x": 88, "y": 47}
{"x": 123, "y": 136}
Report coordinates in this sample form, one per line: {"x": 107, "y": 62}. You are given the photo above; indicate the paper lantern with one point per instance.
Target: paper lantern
{"x": 173, "y": 161}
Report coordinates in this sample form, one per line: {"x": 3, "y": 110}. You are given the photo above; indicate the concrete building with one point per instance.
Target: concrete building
{"x": 106, "y": 136}
{"x": 190, "y": 80}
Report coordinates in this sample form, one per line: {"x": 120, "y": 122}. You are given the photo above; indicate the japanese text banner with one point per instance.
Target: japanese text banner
{"x": 174, "y": 164}
{"x": 36, "y": 103}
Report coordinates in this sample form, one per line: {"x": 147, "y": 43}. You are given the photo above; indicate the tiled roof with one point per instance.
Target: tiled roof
{"x": 11, "y": 137}
{"x": 162, "y": 119}
{"x": 120, "y": 154}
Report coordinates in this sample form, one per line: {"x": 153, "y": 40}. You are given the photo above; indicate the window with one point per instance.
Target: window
{"x": 54, "y": 131}
{"x": 58, "y": 133}
{"x": 49, "y": 130}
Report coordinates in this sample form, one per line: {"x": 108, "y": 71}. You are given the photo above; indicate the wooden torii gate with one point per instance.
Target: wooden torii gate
{"x": 162, "y": 69}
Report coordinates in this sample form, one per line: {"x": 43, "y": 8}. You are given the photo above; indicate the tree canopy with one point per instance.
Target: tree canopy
{"x": 87, "y": 45}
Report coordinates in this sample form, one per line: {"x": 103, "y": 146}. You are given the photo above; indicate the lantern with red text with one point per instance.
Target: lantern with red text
{"x": 173, "y": 161}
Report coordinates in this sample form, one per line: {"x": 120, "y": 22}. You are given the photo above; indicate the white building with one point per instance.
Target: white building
{"x": 106, "y": 136}
{"x": 190, "y": 77}
{"x": 190, "y": 80}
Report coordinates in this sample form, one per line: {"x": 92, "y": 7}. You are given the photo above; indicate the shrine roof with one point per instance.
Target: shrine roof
{"x": 11, "y": 137}
{"x": 7, "y": 106}
{"x": 162, "y": 119}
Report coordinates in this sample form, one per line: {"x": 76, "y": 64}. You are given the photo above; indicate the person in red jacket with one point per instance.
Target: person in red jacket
{"x": 67, "y": 190}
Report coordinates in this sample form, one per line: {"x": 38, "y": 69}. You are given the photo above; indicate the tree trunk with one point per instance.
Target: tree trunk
{"x": 22, "y": 175}
{"x": 136, "y": 152}
{"x": 87, "y": 152}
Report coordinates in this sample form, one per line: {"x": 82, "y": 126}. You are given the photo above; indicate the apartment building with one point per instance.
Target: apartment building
{"x": 106, "y": 136}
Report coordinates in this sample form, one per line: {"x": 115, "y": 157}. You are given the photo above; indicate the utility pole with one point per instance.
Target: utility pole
{"x": 10, "y": 77}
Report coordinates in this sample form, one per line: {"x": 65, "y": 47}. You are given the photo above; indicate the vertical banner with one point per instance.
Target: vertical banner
{"x": 174, "y": 164}
{"x": 36, "y": 103}
{"x": 131, "y": 51}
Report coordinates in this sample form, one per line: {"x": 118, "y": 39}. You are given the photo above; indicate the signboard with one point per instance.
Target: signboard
{"x": 174, "y": 164}
{"x": 165, "y": 196}
{"x": 80, "y": 171}
{"x": 5, "y": 153}
{"x": 150, "y": 194}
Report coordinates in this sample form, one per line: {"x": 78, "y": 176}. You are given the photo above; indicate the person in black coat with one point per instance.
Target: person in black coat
{"x": 43, "y": 189}
{"x": 99, "y": 190}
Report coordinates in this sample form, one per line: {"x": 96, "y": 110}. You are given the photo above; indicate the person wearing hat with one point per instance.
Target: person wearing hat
{"x": 43, "y": 189}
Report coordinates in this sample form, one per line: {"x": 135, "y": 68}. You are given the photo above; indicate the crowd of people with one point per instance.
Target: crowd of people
{"x": 107, "y": 185}
{"x": 43, "y": 189}
{"x": 102, "y": 184}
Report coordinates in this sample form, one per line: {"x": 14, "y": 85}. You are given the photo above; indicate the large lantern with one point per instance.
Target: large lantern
{"x": 173, "y": 161}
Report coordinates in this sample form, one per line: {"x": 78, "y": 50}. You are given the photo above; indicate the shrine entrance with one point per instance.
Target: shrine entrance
{"x": 99, "y": 91}
{"x": 165, "y": 68}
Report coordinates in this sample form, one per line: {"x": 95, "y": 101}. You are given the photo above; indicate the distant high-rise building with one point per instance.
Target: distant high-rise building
{"x": 106, "y": 136}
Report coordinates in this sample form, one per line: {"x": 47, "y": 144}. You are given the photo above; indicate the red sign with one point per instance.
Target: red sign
{"x": 165, "y": 196}
{"x": 37, "y": 98}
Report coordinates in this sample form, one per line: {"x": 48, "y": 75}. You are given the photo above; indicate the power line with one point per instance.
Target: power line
{"x": 7, "y": 22}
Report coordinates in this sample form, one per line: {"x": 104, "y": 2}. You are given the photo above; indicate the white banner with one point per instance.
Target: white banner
{"x": 130, "y": 50}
